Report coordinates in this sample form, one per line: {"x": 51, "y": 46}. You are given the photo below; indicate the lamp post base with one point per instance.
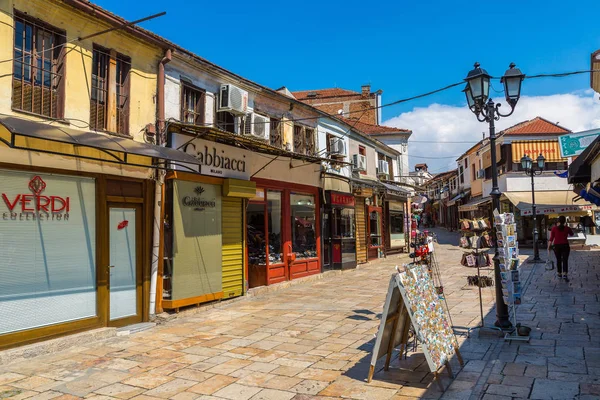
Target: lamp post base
{"x": 504, "y": 325}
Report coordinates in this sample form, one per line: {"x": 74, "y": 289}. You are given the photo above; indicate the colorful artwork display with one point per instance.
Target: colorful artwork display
{"x": 428, "y": 315}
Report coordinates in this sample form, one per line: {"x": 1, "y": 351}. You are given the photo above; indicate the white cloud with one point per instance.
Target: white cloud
{"x": 437, "y": 123}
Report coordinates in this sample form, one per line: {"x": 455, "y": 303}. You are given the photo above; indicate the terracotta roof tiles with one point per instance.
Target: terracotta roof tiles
{"x": 536, "y": 126}
{"x": 323, "y": 93}
{"x": 371, "y": 129}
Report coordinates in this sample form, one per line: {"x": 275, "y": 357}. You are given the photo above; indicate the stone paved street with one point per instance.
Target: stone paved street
{"x": 313, "y": 341}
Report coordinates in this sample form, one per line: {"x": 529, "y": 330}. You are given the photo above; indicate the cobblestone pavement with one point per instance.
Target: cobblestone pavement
{"x": 313, "y": 341}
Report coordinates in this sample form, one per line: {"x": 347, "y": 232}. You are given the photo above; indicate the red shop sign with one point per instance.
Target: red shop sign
{"x": 342, "y": 199}
{"x": 36, "y": 202}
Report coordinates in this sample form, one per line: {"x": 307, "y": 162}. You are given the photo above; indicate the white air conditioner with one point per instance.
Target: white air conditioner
{"x": 383, "y": 168}
{"x": 233, "y": 99}
{"x": 359, "y": 162}
{"x": 337, "y": 147}
{"x": 481, "y": 174}
{"x": 258, "y": 126}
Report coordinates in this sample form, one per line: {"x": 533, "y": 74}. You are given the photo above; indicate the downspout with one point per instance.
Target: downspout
{"x": 158, "y": 188}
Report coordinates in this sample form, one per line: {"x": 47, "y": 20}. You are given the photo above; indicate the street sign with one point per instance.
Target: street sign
{"x": 573, "y": 144}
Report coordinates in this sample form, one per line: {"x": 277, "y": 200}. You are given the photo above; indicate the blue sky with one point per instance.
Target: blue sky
{"x": 404, "y": 48}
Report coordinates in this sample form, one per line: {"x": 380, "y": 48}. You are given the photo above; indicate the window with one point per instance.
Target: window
{"x": 303, "y": 215}
{"x": 274, "y": 227}
{"x": 192, "y": 105}
{"x": 304, "y": 140}
{"x": 363, "y": 152}
{"x": 461, "y": 173}
{"x": 101, "y": 108}
{"x": 38, "y": 68}
{"x": 226, "y": 121}
{"x": 375, "y": 227}
{"x": 473, "y": 176}
{"x": 275, "y": 137}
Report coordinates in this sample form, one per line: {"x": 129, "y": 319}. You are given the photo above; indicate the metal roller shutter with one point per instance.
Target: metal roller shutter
{"x": 233, "y": 247}
{"x": 361, "y": 231}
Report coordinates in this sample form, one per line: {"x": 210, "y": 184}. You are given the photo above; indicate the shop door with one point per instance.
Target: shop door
{"x": 124, "y": 281}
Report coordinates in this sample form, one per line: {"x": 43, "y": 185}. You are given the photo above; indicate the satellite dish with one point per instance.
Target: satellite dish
{"x": 340, "y": 112}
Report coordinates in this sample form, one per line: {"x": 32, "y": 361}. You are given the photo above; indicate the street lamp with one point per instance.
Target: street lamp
{"x": 477, "y": 92}
{"x": 532, "y": 169}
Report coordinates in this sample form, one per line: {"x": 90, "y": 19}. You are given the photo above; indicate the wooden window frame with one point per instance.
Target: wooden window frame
{"x": 275, "y": 132}
{"x": 362, "y": 150}
{"x": 197, "y": 113}
{"x": 30, "y": 70}
{"x": 112, "y": 79}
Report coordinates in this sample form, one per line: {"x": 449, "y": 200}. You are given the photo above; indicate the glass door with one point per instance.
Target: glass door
{"x": 125, "y": 300}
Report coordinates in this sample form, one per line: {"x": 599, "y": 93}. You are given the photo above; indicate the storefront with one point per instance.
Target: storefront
{"x": 204, "y": 223}
{"x": 339, "y": 231}
{"x": 283, "y": 232}
{"x": 549, "y": 206}
{"x": 76, "y": 230}
{"x": 368, "y": 213}
{"x": 396, "y": 219}
{"x": 477, "y": 207}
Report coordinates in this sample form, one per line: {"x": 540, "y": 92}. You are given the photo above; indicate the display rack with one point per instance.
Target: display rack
{"x": 510, "y": 269}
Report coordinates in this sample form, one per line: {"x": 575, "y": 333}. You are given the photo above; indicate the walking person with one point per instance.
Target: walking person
{"x": 559, "y": 239}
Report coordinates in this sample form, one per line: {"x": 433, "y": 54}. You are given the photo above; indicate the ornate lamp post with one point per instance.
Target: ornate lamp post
{"x": 532, "y": 169}
{"x": 477, "y": 92}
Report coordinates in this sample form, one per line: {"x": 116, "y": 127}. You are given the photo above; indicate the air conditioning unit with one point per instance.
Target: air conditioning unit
{"x": 233, "y": 99}
{"x": 359, "y": 162}
{"x": 383, "y": 168}
{"x": 481, "y": 174}
{"x": 337, "y": 147}
{"x": 258, "y": 126}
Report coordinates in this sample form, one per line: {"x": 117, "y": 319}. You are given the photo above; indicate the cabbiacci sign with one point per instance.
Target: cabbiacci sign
{"x": 216, "y": 161}
{"x": 35, "y": 205}
{"x": 198, "y": 203}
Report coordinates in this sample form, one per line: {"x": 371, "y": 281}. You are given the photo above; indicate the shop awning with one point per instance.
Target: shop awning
{"x": 19, "y": 133}
{"x": 455, "y": 199}
{"x": 474, "y": 204}
{"x": 533, "y": 148}
{"x": 396, "y": 190}
{"x": 548, "y": 202}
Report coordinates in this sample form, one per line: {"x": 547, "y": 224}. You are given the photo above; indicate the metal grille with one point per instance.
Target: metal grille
{"x": 99, "y": 99}
{"x": 37, "y": 69}
{"x": 192, "y": 106}
{"x": 275, "y": 134}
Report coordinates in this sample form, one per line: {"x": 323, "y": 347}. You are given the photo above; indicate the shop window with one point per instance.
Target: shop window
{"x": 38, "y": 68}
{"x": 303, "y": 215}
{"x": 396, "y": 225}
{"x": 101, "y": 91}
{"x": 256, "y": 234}
{"x": 48, "y": 269}
{"x": 375, "y": 238}
{"x": 274, "y": 227}
{"x": 192, "y": 105}
{"x": 275, "y": 136}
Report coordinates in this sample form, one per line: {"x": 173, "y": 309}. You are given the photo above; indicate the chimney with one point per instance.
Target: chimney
{"x": 366, "y": 90}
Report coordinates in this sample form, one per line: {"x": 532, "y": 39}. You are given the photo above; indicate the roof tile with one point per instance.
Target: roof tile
{"x": 536, "y": 126}
{"x": 322, "y": 93}
{"x": 371, "y": 129}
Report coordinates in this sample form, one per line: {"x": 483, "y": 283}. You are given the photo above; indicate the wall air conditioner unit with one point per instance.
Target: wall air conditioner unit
{"x": 481, "y": 174}
{"x": 233, "y": 99}
{"x": 359, "y": 162}
{"x": 337, "y": 148}
{"x": 258, "y": 126}
{"x": 383, "y": 168}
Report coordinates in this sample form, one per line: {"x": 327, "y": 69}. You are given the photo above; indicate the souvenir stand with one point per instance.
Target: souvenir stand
{"x": 475, "y": 236}
{"x": 510, "y": 268}
{"x": 413, "y": 301}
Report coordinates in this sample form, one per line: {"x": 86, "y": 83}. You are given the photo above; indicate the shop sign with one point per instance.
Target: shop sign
{"x": 342, "y": 199}
{"x": 216, "y": 162}
{"x": 556, "y": 210}
{"x": 35, "y": 205}
{"x": 198, "y": 203}
{"x": 573, "y": 144}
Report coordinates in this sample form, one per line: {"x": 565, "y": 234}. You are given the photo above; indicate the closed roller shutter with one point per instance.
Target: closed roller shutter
{"x": 361, "y": 231}
{"x": 233, "y": 249}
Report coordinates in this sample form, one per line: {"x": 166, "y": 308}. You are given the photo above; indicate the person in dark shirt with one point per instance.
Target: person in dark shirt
{"x": 559, "y": 239}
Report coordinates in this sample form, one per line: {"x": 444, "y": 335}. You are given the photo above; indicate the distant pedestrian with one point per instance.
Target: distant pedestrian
{"x": 559, "y": 239}
{"x": 418, "y": 218}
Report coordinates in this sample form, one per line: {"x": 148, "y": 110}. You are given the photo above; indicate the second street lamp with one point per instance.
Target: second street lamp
{"x": 477, "y": 92}
{"x": 532, "y": 169}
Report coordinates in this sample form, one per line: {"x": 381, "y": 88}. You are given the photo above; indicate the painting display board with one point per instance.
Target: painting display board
{"x": 413, "y": 301}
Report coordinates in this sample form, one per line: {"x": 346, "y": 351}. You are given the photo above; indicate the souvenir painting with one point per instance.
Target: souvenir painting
{"x": 517, "y": 298}
{"x": 510, "y": 240}
{"x": 514, "y": 276}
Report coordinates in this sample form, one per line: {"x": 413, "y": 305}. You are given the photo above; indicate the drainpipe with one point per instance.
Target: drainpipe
{"x": 160, "y": 177}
